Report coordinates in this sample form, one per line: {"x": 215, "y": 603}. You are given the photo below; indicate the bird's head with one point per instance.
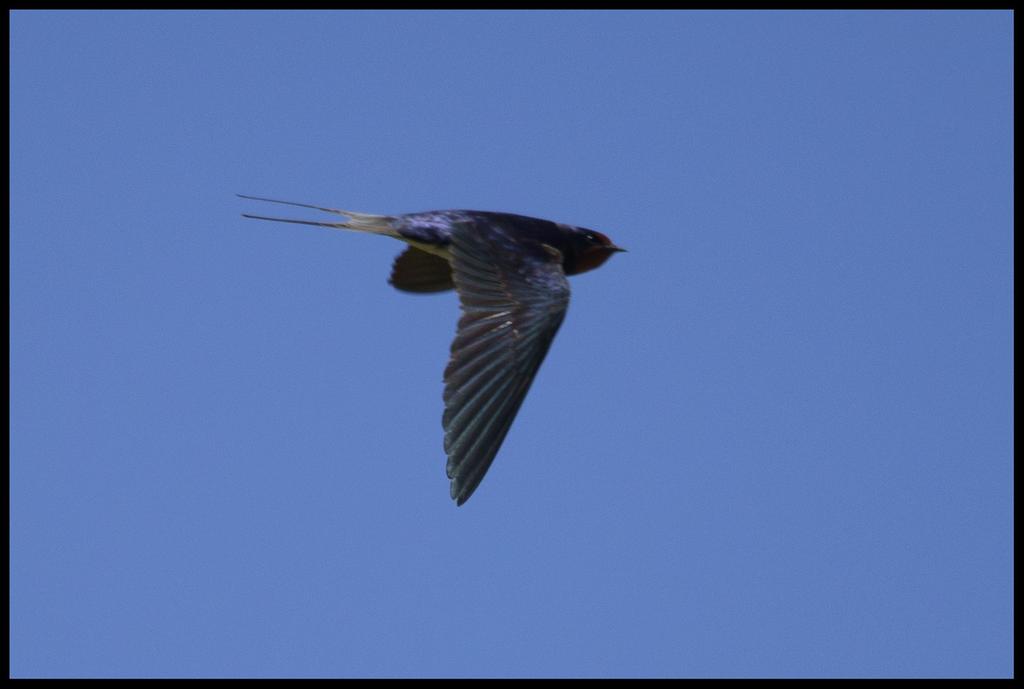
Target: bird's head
{"x": 588, "y": 249}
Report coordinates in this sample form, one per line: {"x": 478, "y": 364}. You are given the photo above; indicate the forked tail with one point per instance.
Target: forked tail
{"x": 360, "y": 222}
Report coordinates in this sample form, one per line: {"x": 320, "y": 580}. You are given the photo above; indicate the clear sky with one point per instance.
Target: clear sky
{"x": 773, "y": 439}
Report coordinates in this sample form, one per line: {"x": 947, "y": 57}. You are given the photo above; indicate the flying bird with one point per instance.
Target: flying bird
{"x": 510, "y": 275}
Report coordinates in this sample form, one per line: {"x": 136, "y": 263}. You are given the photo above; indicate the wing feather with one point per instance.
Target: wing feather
{"x": 513, "y": 303}
{"x": 415, "y": 270}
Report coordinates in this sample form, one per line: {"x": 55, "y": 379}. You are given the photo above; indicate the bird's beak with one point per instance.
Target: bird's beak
{"x": 612, "y": 247}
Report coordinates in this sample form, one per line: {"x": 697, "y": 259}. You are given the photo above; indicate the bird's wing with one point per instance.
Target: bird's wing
{"x": 512, "y": 305}
{"x": 416, "y": 270}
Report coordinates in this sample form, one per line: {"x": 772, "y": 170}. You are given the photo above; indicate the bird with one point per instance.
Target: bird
{"x": 509, "y": 272}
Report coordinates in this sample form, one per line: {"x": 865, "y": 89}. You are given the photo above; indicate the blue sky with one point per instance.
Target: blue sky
{"x": 774, "y": 439}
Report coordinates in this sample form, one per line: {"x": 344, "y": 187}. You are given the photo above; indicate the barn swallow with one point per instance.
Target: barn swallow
{"x": 510, "y": 275}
